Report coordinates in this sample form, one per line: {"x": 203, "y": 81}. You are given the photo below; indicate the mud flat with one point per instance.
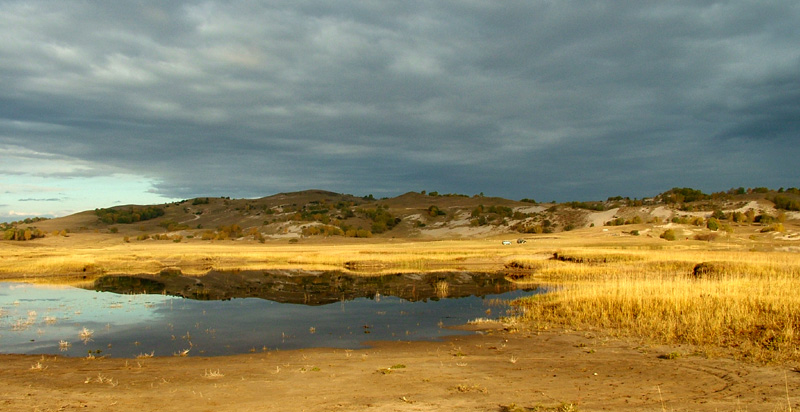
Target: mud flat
{"x": 492, "y": 371}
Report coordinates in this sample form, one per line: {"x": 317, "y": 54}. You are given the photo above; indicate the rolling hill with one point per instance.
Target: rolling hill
{"x": 324, "y": 214}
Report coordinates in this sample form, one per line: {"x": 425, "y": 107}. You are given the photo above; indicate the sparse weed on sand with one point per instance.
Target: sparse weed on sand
{"x": 564, "y": 407}
{"x": 85, "y": 334}
{"x": 213, "y": 374}
{"x": 182, "y": 353}
{"x": 101, "y": 379}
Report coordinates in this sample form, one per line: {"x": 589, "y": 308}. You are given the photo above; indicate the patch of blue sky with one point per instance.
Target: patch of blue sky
{"x": 24, "y": 196}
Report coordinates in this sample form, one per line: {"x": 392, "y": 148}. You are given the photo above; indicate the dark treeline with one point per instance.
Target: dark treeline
{"x": 129, "y": 215}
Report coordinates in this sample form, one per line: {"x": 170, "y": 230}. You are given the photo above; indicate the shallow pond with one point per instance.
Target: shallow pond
{"x": 239, "y": 312}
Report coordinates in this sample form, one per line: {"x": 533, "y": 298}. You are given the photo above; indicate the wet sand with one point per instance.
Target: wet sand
{"x": 493, "y": 370}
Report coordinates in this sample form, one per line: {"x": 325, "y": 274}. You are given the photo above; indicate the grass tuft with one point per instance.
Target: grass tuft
{"x": 212, "y": 374}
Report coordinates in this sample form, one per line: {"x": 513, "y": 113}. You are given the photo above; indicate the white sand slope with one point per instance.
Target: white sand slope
{"x": 600, "y": 218}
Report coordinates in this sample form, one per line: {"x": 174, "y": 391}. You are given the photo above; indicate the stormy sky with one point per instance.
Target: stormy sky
{"x": 105, "y": 103}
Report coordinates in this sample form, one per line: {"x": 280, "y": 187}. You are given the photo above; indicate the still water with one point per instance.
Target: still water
{"x": 230, "y": 313}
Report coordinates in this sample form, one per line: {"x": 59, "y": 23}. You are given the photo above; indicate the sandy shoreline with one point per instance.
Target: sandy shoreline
{"x": 492, "y": 370}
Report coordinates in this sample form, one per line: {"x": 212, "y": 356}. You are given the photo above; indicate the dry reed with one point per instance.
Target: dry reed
{"x": 749, "y": 306}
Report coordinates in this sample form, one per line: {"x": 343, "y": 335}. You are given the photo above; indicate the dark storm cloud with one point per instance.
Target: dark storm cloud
{"x": 538, "y": 99}
{"x": 52, "y": 199}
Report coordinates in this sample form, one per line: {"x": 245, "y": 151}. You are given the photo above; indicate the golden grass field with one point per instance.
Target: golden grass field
{"x": 745, "y": 303}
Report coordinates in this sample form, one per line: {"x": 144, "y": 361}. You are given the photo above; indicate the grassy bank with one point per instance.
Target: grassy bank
{"x": 94, "y": 255}
{"x": 743, "y": 302}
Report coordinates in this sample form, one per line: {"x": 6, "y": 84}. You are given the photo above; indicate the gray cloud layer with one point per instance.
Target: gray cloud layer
{"x": 51, "y": 199}
{"x": 565, "y": 100}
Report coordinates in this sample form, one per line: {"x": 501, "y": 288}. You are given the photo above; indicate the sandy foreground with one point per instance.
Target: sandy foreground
{"x": 493, "y": 370}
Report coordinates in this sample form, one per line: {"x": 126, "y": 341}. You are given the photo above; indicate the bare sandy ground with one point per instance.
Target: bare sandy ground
{"x": 492, "y": 371}
{"x": 599, "y": 218}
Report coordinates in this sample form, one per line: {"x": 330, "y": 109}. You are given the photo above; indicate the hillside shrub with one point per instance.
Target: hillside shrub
{"x": 738, "y": 217}
{"x": 668, "y": 234}
{"x": 775, "y": 227}
{"x": 596, "y": 206}
{"x": 323, "y": 230}
{"x": 786, "y": 203}
{"x": 171, "y": 225}
{"x": 501, "y": 211}
{"x": 765, "y": 219}
{"x": 229, "y": 232}
{"x": 480, "y": 221}
{"x": 706, "y": 237}
{"x": 434, "y": 211}
{"x": 477, "y": 211}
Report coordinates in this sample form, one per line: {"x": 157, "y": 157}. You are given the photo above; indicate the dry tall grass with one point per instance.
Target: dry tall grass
{"x": 40, "y": 261}
{"x": 745, "y": 302}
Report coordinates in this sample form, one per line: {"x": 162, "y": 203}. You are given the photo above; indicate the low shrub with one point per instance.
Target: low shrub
{"x": 669, "y": 234}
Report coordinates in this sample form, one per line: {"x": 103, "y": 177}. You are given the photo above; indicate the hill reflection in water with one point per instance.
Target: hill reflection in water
{"x": 309, "y": 287}
{"x": 225, "y": 313}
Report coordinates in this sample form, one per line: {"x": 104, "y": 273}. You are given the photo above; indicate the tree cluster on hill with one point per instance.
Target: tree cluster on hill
{"x": 162, "y": 236}
{"x": 544, "y": 226}
{"x": 312, "y": 215}
{"x": 681, "y": 195}
{"x": 596, "y": 206}
{"x": 437, "y": 194}
{"x": 129, "y": 215}
{"x": 620, "y": 221}
{"x": 172, "y": 226}
{"x": 27, "y": 221}
{"x": 382, "y": 220}
{"x": 22, "y": 234}
{"x": 324, "y": 230}
{"x": 786, "y": 203}
{"x": 483, "y": 215}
